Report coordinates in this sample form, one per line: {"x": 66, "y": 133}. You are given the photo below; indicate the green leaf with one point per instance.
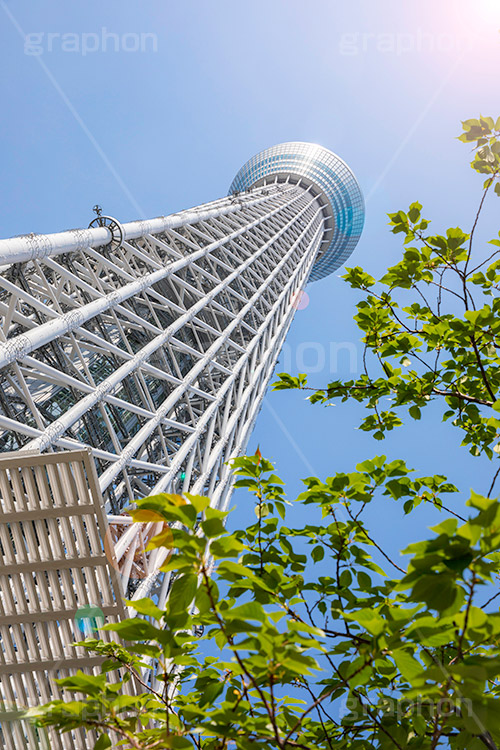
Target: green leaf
{"x": 182, "y": 593}
{"x": 84, "y": 683}
{"x": 317, "y": 553}
{"x": 234, "y": 571}
{"x": 247, "y": 611}
{"x": 213, "y": 527}
{"x": 146, "y": 607}
{"x": 407, "y": 664}
{"x": 134, "y": 629}
{"x": 200, "y": 502}
{"x": 177, "y": 742}
{"x": 103, "y": 742}
{"x": 226, "y": 546}
{"x": 369, "y": 619}
{"x": 438, "y": 591}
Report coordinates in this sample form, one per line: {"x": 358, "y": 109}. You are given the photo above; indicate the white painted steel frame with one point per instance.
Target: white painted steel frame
{"x": 149, "y": 353}
{"x": 148, "y": 346}
{"x": 41, "y": 246}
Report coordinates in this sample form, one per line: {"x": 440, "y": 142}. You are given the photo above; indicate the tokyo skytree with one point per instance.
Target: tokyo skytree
{"x": 148, "y": 347}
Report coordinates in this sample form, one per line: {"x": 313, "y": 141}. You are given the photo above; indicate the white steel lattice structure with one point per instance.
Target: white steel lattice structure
{"x": 151, "y": 343}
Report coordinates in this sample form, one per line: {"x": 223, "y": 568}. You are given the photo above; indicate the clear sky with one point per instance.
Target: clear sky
{"x": 150, "y": 107}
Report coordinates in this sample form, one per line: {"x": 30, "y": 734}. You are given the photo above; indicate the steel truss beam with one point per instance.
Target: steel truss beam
{"x": 155, "y": 354}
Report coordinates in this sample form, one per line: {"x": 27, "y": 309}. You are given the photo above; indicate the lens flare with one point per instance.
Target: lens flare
{"x": 89, "y": 620}
{"x": 300, "y": 300}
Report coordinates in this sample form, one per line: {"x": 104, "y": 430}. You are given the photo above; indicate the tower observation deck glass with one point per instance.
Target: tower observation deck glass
{"x": 314, "y": 165}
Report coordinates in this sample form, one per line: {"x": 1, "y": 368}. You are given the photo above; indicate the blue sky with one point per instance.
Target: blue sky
{"x": 153, "y": 124}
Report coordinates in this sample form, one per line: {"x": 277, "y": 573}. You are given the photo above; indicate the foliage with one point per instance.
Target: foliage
{"x": 431, "y": 323}
{"x": 310, "y": 635}
{"x": 299, "y": 620}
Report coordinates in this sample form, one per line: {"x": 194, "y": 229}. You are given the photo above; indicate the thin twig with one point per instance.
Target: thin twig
{"x": 493, "y": 483}
{"x": 361, "y": 528}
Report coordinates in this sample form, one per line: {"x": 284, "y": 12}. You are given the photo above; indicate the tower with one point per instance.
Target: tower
{"x": 151, "y": 343}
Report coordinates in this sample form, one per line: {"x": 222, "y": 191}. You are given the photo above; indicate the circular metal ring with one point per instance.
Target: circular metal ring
{"x": 114, "y": 227}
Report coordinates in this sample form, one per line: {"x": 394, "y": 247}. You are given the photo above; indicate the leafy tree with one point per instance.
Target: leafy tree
{"x": 290, "y": 635}
{"x": 431, "y": 323}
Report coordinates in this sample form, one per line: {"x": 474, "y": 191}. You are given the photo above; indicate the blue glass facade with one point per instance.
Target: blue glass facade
{"x": 332, "y": 176}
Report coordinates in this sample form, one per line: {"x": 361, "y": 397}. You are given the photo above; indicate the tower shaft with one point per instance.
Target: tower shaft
{"x": 155, "y": 354}
{"x": 133, "y": 360}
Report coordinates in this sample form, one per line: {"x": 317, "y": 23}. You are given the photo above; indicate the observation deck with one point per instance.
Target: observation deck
{"x": 329, "y": 179}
